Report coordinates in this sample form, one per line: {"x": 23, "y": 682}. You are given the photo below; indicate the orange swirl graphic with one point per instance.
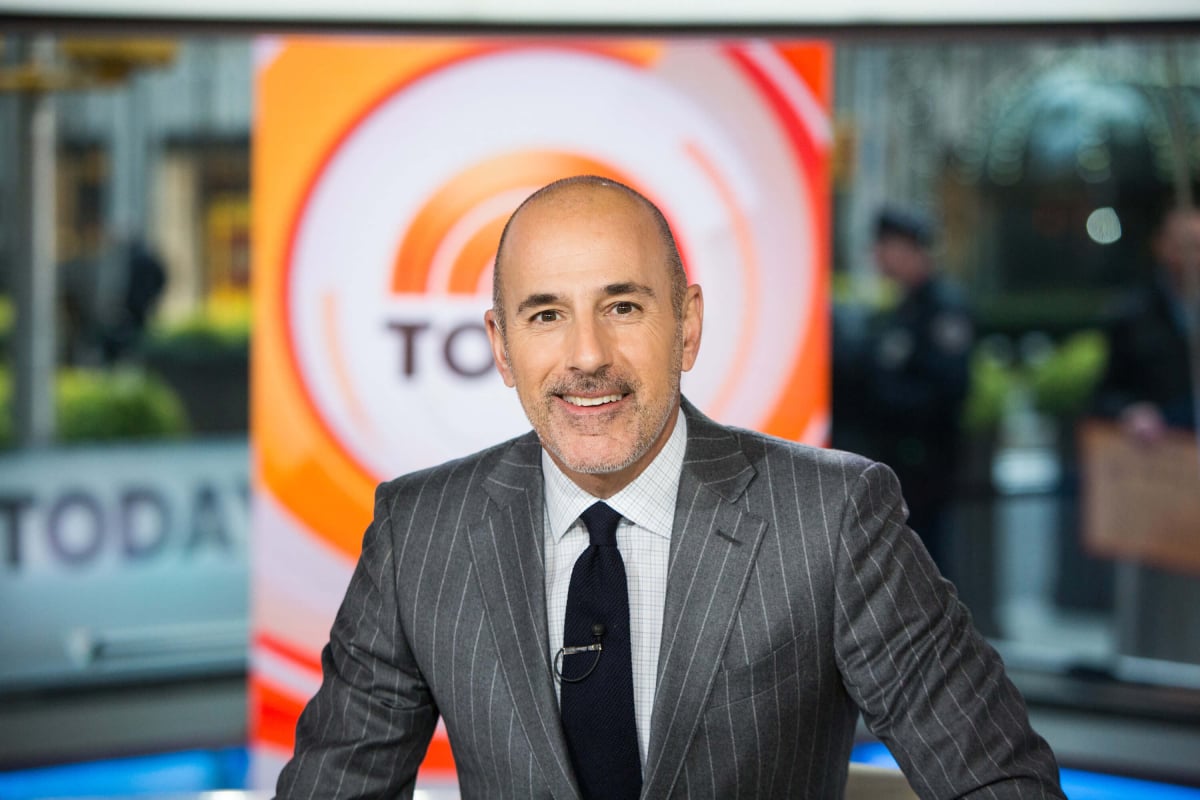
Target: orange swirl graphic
{"x": 446, "y": 249}
{"x": 302, "y": 460}
{"x": 518, "y": 174}
{"x": 805, "y": 397}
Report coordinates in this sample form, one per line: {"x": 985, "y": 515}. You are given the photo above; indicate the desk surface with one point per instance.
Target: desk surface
{"x": 222, "y": 774}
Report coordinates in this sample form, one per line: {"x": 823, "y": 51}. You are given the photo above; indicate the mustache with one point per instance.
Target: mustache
{"x": 603, "y": 381}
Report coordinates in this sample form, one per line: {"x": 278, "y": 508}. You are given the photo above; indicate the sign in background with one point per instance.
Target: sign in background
{"x": 384, "y": 170}
{"x": 114, "y": 569}
{"x": 1141, "y": 502}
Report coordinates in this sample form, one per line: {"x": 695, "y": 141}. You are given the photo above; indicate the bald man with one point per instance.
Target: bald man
{"x": 765, "y": 592}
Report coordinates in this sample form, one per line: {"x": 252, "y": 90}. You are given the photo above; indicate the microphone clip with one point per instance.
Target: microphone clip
{"x": 596, "y": 647}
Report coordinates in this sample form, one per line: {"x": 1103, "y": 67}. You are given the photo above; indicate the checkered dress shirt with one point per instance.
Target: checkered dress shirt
{"x": 644, "y": 539}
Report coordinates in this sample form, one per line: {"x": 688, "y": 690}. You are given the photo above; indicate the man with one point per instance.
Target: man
{"x": 773, "y": 589}
{"x": 904, "y": 395}
{"x": 1148, "y": 390}
{"x": 1147, "y": 385}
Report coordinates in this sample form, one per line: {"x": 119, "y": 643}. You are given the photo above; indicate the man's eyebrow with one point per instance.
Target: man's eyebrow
{"x": 610, "y": 290}
{"x": 534, "y": 300}
{"x": 628, "y": 287}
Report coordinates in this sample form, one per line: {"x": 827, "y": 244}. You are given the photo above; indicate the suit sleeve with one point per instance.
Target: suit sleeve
{"x": 366, "y": 730}
{"x": 1124, "y": 379}
{"x": 928, "y": 684}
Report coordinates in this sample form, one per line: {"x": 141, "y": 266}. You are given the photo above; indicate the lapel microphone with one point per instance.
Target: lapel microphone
{"x": 595, "y": 647}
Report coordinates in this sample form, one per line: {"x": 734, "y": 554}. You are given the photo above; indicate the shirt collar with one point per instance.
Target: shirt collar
{"x": 649, "y": 501}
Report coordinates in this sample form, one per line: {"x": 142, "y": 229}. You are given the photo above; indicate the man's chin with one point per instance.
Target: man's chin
{"x": 593, "y": 466}
{"x": 586, "y": 461}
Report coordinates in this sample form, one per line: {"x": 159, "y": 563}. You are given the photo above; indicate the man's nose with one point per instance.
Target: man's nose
{"x": 589, "y": 347}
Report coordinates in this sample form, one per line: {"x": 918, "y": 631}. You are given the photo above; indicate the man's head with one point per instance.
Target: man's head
{"x": 1176, "y": 243}
{"x": 902, "y": 242}
{"x": 592, "y": 323}
{"x": 565, "y": 186}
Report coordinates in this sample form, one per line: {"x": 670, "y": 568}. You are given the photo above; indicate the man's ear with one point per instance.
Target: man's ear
{"x": 693, "y": 324}
{"x": 499, "y": 350}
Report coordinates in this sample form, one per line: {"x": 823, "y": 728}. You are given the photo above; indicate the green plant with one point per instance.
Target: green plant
{"x": 7, "y": 315}
{"x": 220, "y": 328}
{"x": 6, "y": 421}
{"x": 1064, "y": 382}
{"x": 126, "y": 404}
{"x": 94, "y": 405}
{"x": 1061, "y": 382}
{"x": 991, "y": 380}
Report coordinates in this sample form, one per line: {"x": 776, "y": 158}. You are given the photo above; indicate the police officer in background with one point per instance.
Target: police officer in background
{"x": 899, "y": 392}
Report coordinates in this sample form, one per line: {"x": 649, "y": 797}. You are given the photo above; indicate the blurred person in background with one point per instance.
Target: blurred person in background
{"x": 1147, "y": 384}
{"x": 142, "y": 283}
{"x": 899, "y": 391}
{"x": 108, "y": 298}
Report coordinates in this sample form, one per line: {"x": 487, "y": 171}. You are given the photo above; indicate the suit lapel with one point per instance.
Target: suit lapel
{"x": 506, "y": 549}
{"x": 713, "y": 546}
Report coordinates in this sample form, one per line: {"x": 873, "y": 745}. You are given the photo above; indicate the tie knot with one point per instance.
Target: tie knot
{"x": 601, "y": 522}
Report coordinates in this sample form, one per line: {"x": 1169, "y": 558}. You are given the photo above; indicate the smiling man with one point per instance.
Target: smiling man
{"x": 600, "y": 329}
{"x": 634, "y": 601}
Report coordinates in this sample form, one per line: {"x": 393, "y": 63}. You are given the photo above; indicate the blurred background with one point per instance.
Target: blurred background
{"x": 1033, "y": 167}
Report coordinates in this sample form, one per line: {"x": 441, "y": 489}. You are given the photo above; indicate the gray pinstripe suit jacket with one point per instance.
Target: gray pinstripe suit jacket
{"x": 796, "y": 597}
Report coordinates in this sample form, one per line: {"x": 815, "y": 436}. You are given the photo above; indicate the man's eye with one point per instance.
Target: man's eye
{"x": 623, "y": 308}
{"x": 546, "y": 316}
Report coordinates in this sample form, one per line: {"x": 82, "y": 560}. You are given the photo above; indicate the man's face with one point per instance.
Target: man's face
{"x": 591, "y": 341}
{"x": 900, "y": 259}
{"x": 1177, "y": 245}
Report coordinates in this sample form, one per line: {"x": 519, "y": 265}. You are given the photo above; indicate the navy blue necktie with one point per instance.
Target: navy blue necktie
{"x": 597, "y": 706}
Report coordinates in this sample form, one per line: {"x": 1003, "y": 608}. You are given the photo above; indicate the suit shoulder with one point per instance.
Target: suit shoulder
{"x": 757, "y": 444}
{"x": 713, "y": 443}
{"x": 459, "y": 474}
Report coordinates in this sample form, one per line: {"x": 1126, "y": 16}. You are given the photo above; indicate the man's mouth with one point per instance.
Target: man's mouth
{"x": 586, "y": 402}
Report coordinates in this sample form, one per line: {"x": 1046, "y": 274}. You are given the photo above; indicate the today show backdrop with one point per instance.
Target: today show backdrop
{"x": 384, "y": 170}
